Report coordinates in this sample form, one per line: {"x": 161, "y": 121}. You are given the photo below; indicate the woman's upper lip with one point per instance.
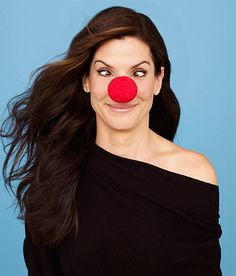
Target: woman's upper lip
{"x": 122, "y": 106}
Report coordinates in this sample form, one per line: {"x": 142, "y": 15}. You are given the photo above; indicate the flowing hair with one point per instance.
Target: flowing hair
{"x": 52, "y": 126}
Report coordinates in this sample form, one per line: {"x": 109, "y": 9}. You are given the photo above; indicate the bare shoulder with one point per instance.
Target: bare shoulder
{"x": 196, "y": 165}
{"x": 185, "y": 161}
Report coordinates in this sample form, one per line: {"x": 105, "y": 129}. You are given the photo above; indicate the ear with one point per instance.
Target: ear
{"x": 85, "y": 83}
{"x": 158, "y": 82}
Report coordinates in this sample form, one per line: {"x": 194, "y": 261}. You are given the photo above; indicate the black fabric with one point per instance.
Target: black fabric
{"x": 136, "y": 219}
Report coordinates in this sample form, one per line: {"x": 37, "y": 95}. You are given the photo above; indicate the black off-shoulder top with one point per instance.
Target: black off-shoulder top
{"x": 135, "y": 219}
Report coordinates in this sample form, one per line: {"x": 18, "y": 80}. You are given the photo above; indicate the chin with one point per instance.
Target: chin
{"x": 121, "y": 126}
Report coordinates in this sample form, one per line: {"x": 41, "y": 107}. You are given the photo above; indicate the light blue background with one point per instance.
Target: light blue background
{"x": 200, "y": 38}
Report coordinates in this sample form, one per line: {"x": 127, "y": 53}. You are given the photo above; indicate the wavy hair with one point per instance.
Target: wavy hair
{"x": 52, "y": 126}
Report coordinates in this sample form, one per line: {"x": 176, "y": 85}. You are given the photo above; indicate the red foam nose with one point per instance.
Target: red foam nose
{"x": 122, "y": 89}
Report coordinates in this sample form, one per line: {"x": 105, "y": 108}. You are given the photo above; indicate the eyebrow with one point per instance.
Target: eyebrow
{"x": 144, "y": 61}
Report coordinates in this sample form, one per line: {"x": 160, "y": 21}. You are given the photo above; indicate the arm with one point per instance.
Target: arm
{"x": 40, "y": 260}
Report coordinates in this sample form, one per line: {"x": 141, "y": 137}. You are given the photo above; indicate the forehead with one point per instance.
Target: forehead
{"x": 128, "y": 49}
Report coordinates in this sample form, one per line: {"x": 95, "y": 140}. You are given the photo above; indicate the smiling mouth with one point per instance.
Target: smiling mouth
{"x": 121, "y": 108}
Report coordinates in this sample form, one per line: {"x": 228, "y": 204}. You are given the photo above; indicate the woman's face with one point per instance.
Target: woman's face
{"x": 130, "y": 57}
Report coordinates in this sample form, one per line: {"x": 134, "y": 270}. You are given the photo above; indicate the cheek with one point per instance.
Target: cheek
{"x": 145, "y": 89}
{"x": 99, "y": 88}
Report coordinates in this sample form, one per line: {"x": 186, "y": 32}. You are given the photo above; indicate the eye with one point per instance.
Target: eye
{"x": 140, "y": 73}
{"x": 103, "y": 72}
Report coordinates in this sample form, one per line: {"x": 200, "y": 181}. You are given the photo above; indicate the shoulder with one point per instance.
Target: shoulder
{"x": 197, "y": 165}
{"x": 178, "y": 159}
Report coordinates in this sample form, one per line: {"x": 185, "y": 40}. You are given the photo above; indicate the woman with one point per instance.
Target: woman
{"x": 104, "y": 190}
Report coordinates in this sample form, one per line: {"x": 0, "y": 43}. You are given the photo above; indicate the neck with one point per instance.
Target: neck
{"x": 134, "y": 144}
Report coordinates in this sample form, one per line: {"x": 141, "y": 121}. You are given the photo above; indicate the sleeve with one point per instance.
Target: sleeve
{"x": 40, "y": 260}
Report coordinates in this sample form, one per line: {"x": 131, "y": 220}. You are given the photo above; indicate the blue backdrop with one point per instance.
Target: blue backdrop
{"x": 200, "y": 38}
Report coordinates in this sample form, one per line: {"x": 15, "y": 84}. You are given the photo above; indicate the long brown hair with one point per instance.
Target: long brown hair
{"x": 52, "y": 126}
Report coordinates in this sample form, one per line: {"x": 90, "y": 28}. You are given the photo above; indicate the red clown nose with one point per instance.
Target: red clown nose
{"x": 122, "y": 89}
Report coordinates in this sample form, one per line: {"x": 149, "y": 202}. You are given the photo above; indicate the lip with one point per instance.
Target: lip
{"x": 120, "y": 108}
